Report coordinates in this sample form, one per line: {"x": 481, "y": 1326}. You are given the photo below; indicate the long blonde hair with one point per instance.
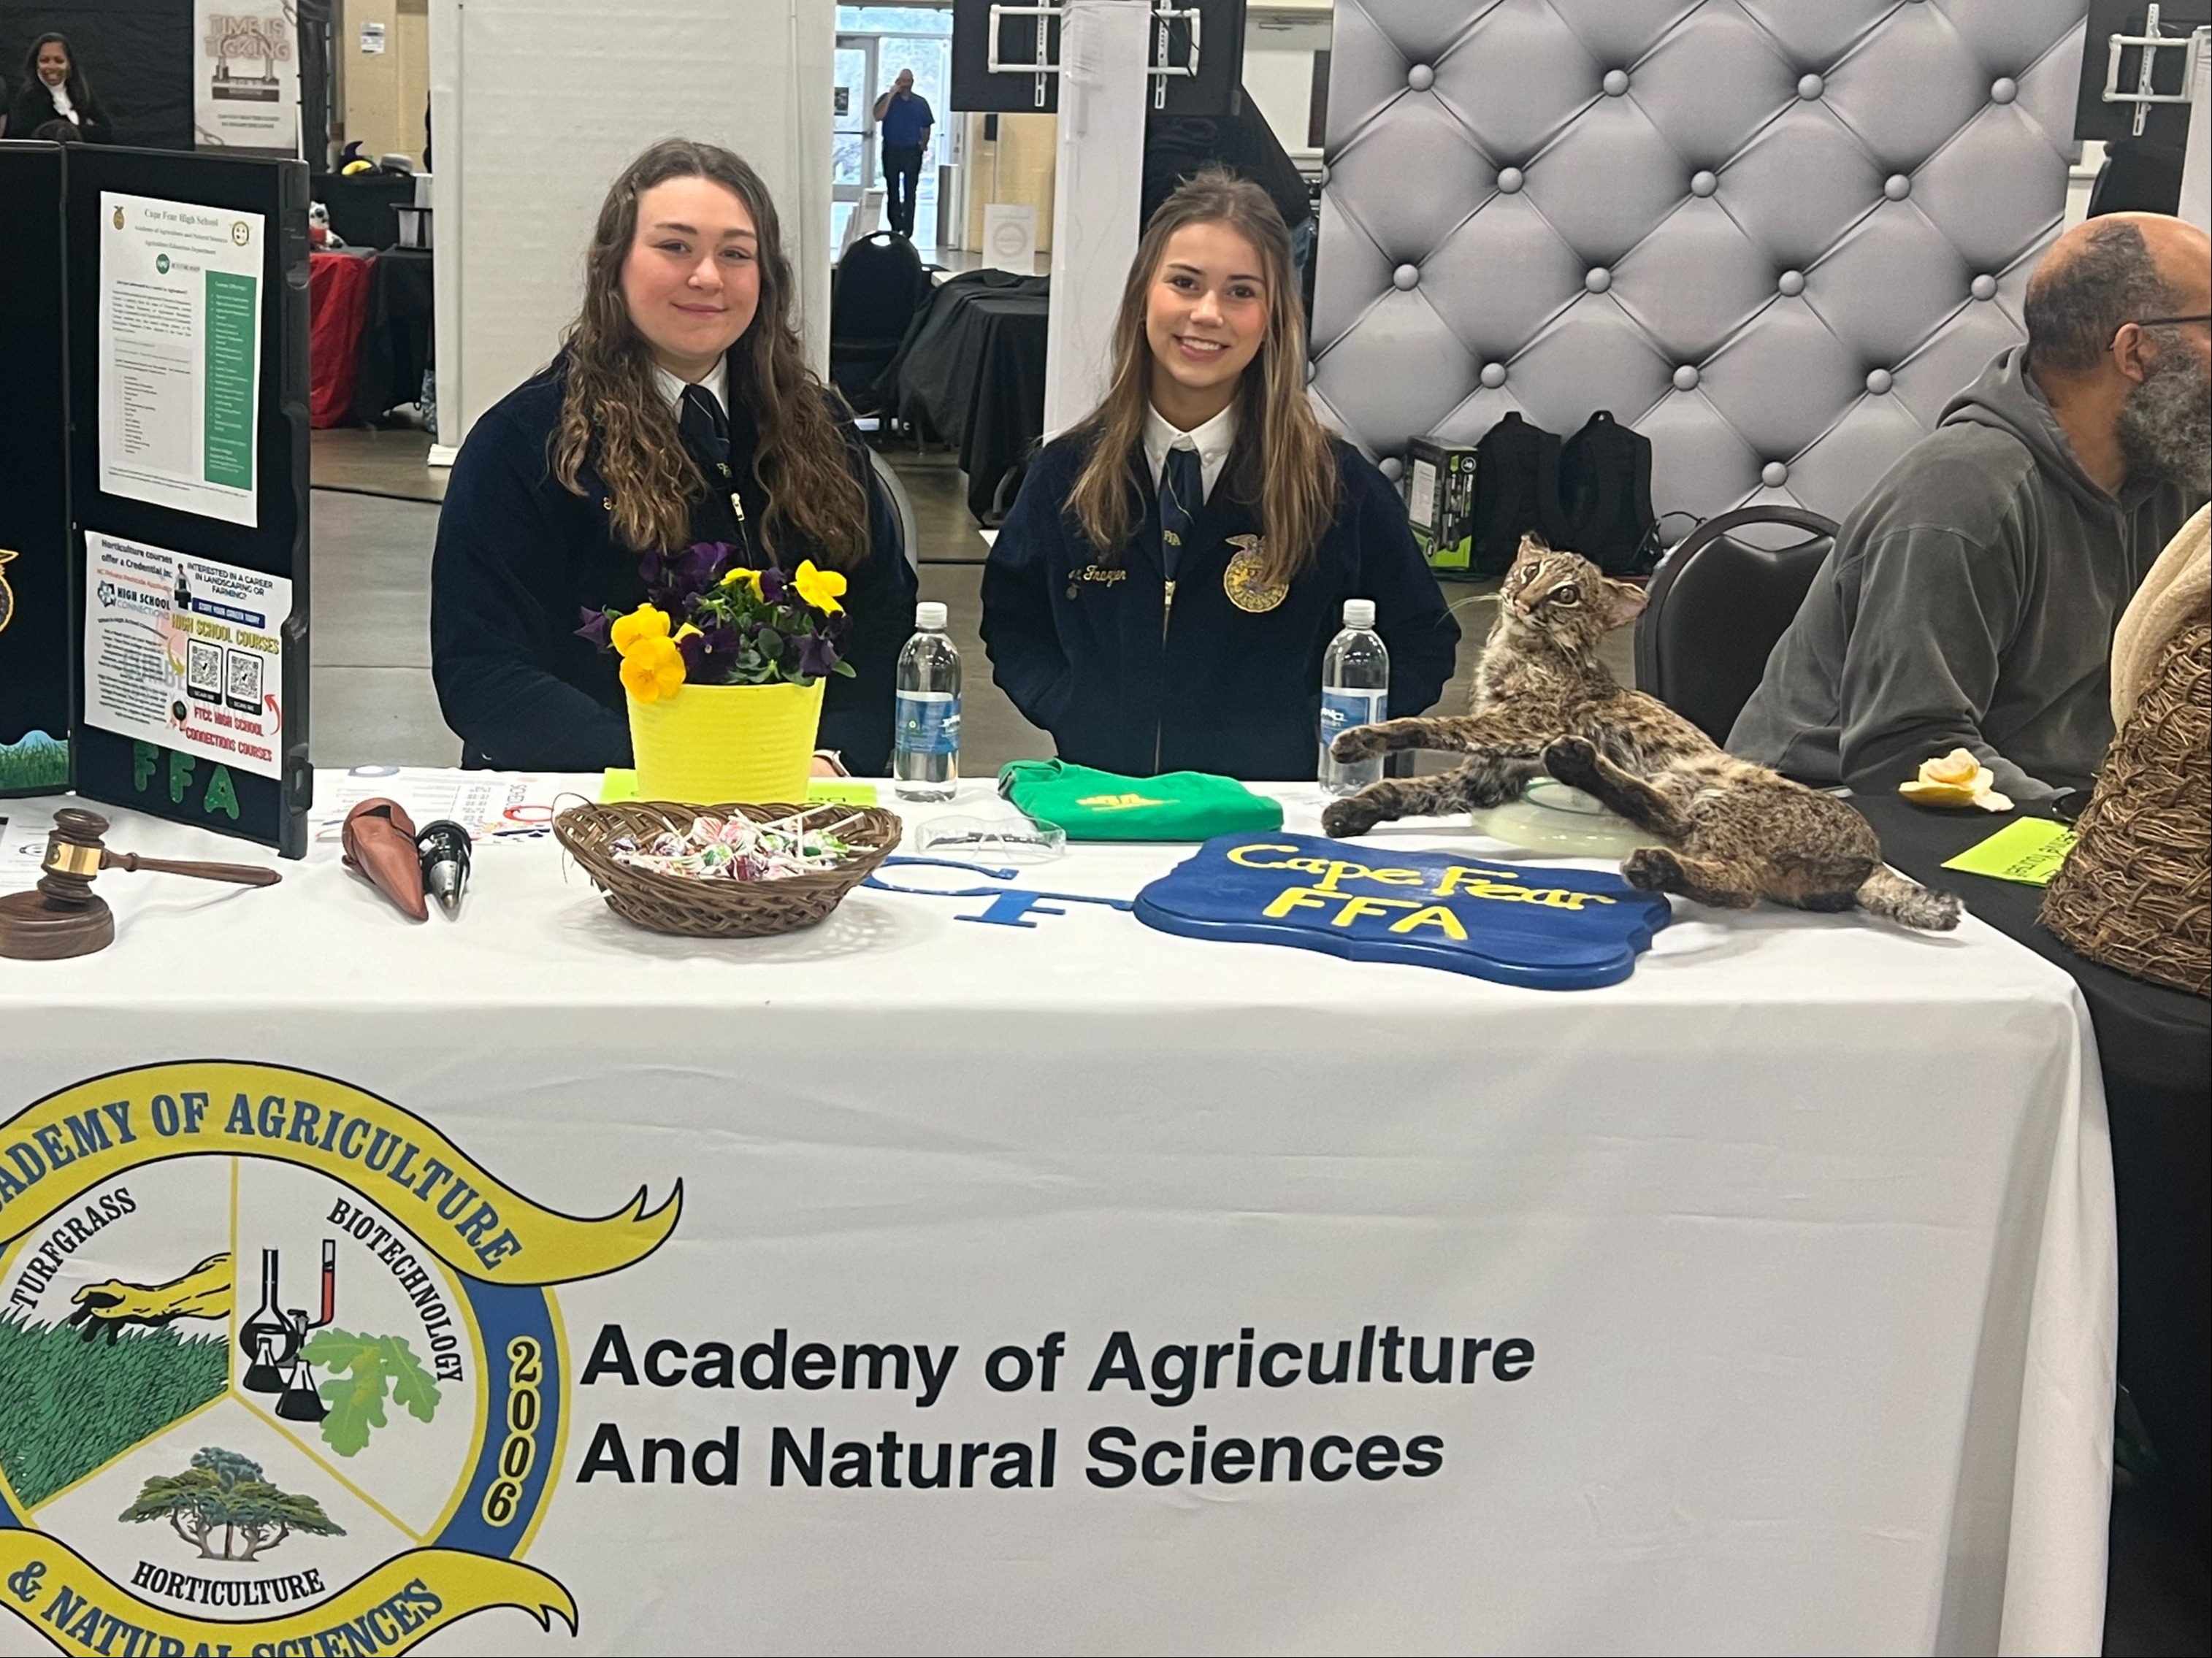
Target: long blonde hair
{"x": 1282, "y": 463}
{"x": 614, "y": 418}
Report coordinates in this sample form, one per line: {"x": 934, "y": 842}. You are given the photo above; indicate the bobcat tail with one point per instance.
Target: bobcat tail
{"x": 1886, "y": 892}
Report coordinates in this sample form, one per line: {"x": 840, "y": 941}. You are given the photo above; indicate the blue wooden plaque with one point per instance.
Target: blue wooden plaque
{"x": 1543, "y": 927}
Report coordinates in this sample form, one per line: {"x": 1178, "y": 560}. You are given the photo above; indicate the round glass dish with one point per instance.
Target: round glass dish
{"x": 1549, "y": 816}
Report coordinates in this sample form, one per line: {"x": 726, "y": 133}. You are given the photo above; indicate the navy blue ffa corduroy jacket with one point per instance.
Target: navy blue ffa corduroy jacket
{"x": 518, "y": 556}
{"x": 1087, "y": 648}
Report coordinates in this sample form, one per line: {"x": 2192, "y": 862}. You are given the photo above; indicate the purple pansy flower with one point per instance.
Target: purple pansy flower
{"x": 817, "y": 655}
{"x": 594, "y": 628}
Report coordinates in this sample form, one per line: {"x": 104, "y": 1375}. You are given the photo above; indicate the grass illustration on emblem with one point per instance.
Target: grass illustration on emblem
{"x": 68, "y": 1405}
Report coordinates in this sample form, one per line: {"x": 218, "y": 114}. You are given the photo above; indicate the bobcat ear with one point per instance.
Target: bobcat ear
{"x": 1532, "y": 546}
{"x": 1628, "y": 601}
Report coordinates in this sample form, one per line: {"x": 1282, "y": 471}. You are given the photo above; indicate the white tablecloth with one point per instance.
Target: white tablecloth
{"x": 1806, "y": 1230}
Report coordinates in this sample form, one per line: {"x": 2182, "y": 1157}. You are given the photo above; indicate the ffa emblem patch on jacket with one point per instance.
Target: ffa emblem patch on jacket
{"x": 7, "y": 594}
{"x": 1245, "y": 581}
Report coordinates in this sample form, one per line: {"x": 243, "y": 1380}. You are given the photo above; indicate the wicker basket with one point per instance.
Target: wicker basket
{"x": 718, "y": 910}
{"x": 2135, "y": 893}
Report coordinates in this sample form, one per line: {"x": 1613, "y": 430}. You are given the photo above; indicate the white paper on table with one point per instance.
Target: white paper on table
{"x": 492, "y": 805}
{"x": 22, "y": 843}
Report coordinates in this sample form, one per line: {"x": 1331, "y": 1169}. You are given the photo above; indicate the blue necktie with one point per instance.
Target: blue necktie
{"x": 1182, "y": 492}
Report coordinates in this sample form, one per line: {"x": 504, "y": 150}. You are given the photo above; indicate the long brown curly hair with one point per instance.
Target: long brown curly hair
{"x": 1281, "y": 462}
{"x": 614, "y": 418}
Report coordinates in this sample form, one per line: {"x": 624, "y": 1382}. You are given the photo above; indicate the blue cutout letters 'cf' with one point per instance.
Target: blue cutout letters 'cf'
{"x": 1545, "y": 928}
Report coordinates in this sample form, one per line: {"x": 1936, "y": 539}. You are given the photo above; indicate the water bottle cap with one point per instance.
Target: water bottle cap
{"x": 929, "y": 616}
{"x": 1358, "y": 612}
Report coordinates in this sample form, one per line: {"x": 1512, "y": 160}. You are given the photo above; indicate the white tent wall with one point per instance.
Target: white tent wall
{"x": 537, "y": 105}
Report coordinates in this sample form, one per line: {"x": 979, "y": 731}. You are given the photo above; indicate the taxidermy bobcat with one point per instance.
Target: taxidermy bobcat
{"x": 1735, "y": 833}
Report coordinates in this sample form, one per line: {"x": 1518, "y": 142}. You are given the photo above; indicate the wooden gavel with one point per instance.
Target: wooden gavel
{"x": 63, "y": 916}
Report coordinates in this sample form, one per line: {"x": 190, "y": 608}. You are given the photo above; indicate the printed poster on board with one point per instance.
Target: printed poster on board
{"x": 184, "y": 653}
{"x": 180, "y": 341}
{"x": 245, "y": 93}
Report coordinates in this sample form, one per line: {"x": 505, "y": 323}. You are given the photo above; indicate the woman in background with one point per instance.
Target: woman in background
{"x": 680, "y": 410}
{"x": 1162, "y": 594}
{"x": 54, "y": 89}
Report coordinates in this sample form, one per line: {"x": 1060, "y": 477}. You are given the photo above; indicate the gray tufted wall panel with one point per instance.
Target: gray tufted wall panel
{"x": 1774, "y": 235}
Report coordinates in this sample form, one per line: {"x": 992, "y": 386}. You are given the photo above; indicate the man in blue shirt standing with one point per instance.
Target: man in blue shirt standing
{"x": 905, "y": 120}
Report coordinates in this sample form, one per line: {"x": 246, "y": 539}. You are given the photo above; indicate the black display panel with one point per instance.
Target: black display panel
{"x": 186, "y": 782}
{"x": 2166, "y": 125}
{"x": 1216, "y": 89}
{"x": 35, "y": 614}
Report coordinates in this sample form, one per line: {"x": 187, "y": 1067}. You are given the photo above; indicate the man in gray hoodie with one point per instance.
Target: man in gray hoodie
{"x": 1970, "y": 598}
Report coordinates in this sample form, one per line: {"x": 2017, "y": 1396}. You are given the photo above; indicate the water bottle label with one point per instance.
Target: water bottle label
{"x": 1341, "y": 710}
{"x": 928, "y": 722}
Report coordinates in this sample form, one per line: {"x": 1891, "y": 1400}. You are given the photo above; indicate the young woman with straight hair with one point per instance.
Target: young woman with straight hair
{"x": 680, "y": 410}
{"x": 1160, "y": 596}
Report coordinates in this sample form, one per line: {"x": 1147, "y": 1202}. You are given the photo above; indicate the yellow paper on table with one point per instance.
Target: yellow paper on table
{"x": 2029, "y": 851}
{"x": 620, "y": 783}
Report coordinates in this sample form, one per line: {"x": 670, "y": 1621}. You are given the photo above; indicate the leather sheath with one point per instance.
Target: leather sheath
{"x": 379, "y": 839}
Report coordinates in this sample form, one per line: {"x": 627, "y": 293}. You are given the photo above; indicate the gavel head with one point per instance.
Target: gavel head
{"x": 74, "y": 850}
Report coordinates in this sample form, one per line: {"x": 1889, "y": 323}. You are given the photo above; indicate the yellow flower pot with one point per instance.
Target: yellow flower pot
{"x": 707, "y": 744}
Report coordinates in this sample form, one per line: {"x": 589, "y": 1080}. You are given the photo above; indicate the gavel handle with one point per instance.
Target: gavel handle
{"x": 244, "y": 875}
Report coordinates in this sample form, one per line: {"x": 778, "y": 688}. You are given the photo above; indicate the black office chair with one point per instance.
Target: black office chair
{"x": 1718, "y": 606}
{"x": 901, "y": 508}
{"x": 878, "y": 285}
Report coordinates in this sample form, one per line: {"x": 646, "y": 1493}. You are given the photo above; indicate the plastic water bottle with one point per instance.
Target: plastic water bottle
{"x": 926, "y": 762}
{"x": 1355, "y": 690}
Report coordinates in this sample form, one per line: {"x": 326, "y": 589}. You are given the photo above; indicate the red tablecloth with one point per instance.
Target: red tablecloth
{"x": 338, "y": 304}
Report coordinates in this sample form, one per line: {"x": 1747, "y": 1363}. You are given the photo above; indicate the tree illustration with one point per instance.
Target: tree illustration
{"x": 224, "y": 1492}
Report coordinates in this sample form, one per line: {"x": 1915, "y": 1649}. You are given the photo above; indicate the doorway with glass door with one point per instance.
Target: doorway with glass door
{"x": 875, "y": 46}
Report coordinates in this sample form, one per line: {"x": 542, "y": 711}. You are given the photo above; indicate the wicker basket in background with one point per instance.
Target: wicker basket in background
{"x": 720, "y": 909}
{"x": 2135, "y": 893}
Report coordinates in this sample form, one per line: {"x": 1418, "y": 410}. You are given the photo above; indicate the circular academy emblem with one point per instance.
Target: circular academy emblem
{"x": 240, "y": 232}
{"x": 1245, "y": 580}
{"x": 280, "y": 1366}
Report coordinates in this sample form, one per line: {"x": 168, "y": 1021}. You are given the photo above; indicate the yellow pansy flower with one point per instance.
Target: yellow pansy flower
{"x": 653, "y": 668}
{"x": 751, "y": 578}
{"x": 646, "y": 621}
{"x": 819, "y": 588}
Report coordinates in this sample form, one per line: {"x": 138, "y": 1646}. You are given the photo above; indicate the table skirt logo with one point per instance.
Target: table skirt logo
{"x": 280, "y": 1369}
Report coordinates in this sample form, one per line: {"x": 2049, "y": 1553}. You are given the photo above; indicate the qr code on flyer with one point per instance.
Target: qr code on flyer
{"x": 203, "y": 669}
{"x": 245, "y": 690}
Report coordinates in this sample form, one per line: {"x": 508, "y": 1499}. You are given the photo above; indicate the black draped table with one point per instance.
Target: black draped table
{"x": 972, "y": 371}
{"x": 2155, "y": 1048}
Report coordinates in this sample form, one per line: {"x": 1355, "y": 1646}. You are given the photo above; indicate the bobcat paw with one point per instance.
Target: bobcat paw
{"x": 1649, "y": 869}
{"x": 1348, "y": 816}
{"x": 1360, "y": 743}
{"x": 1572, "y": 759}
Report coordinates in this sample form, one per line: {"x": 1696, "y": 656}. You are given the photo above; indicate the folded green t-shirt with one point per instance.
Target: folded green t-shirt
{"x": 1103, "y": 805}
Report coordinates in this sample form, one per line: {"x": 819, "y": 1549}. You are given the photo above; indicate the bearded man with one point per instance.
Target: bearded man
{"x": 1970, "y": 598}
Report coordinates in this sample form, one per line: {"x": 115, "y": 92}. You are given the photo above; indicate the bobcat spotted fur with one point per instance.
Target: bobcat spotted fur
{"x": 1733, "y": 832}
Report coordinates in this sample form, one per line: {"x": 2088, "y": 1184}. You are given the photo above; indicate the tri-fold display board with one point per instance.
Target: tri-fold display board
{"x": 154, "y": 485}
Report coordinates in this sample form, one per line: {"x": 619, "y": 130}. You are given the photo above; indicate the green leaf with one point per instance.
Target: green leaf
{"x": 845, "y": 668}
{"x": 411, "y": 1387}
{"x": 354, "y": 1393}
{"x": 363, "y": 1369}
{"x": 771, "y": 643}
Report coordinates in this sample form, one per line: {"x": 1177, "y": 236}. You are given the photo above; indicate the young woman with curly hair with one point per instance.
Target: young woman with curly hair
{"x": 680, "y": 410}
